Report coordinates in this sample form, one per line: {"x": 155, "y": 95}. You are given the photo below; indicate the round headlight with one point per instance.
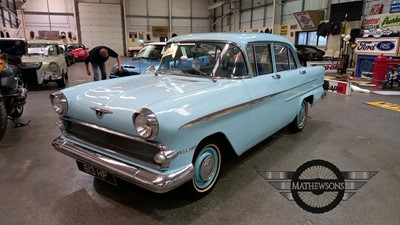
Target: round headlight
{"x": 146, "y": 124}
{"x": 53, "y": 66}
{"x": 59, "y": 102}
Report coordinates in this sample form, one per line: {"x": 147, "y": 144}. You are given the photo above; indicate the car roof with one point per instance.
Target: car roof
{"x": 240, "y": 38}
{"x": 156, "y": 43}
{"x": 42, "y": 42}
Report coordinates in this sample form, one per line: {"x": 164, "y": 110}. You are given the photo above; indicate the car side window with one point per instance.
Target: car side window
{"x": 281, "y": 57}
{"x": 263, "y": 59}
{"x": 292, "y": 61}
{"x": 250, "y": 54}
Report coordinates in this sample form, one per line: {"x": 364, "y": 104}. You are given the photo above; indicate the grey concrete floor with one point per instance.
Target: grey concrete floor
{"x": 41, "y": 186}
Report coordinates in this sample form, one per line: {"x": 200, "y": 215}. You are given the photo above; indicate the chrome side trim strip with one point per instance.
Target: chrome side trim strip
{"x": 156, "y": 182}
{"x": 226, "y": 111}
{"x": 303, "y": 92}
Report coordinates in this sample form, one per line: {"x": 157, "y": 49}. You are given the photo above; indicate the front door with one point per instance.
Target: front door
{"x": 265, "y": 90}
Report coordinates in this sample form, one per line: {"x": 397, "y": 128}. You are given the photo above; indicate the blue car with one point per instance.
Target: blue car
{"x": 147, "y": 58}
{"x": 213, "y": 94}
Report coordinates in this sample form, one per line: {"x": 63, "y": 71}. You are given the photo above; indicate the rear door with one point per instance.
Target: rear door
{"x": 292, "y": 79}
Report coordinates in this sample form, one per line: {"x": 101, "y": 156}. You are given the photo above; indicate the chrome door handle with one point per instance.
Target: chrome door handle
{"x": 302, "y": 72}
{"x": 277, "y": 76}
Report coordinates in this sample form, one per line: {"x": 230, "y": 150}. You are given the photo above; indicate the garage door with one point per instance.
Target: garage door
{"x": 101, "y": 24}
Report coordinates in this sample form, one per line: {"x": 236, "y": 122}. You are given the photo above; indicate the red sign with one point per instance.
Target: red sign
{"x": 330, "y": 66}
{"x": 376, "y": 9}
{"x": 339, "y": 87}
{"x": 370, "y": 22}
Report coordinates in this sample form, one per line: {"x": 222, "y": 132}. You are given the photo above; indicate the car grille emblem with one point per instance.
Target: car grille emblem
{"x": 100, "y": 111}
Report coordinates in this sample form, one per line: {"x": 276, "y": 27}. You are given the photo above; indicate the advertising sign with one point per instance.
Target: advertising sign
{"x": 304, "y": 20}
{"x": 376, "y": 9}
{"x": 284, "y": 29}
{"x": 330, "y": 66}
{"x": 387, "y": 46}
{"x": 49, "y": 35}
{"x": 390, "y": 20}
{"x": 395, "y": 6}
{"x": 160, "y": 31}
{"x": 370, "y": 22}
{"x": 339, "y": 87}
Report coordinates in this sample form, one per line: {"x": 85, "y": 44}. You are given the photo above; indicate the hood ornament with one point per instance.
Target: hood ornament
{"x": 100, "y": 111}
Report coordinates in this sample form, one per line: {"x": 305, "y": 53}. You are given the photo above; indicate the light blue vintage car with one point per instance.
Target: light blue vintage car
{"x": 212, "y": 94}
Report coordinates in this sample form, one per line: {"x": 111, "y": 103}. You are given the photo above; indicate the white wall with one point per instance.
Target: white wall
{"x": 49, "y": 15}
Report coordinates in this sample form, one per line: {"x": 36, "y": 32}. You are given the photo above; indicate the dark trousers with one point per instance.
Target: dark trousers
{"x": 95, "y": 68}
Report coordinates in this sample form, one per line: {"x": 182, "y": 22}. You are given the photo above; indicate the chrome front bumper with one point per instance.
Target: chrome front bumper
{"x": 155, "y": 182}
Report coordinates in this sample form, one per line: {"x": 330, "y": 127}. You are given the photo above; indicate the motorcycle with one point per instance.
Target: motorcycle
{"x": 13, "y": 92}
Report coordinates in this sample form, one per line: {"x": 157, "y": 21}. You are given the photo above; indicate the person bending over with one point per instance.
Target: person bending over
{"x": 97, "y": 57}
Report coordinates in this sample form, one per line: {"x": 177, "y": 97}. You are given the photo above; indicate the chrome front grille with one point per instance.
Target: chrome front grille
{"x": 121, "y": 145}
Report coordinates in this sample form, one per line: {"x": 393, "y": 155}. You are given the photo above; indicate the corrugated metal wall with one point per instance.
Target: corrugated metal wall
{"x": 180, "y": 16}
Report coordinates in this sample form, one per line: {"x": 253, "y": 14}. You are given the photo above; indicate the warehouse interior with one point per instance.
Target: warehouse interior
{"x": 354, "y": 127}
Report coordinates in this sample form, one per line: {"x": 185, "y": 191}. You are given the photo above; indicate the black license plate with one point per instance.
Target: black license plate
{"x": 97, "y": 172}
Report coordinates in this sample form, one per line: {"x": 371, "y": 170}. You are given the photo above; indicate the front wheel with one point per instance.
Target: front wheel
{"x": 207, "y": 164}
{"x": 17, "y": 112}
{"x": 301, "y": 118}
{"x": 61, "y": 82}
{"x": 3, "y": 120}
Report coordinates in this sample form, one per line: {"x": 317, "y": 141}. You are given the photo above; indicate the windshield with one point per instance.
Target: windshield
{"x": 220, "y": 60}
{"x": 76, "y": 46}
{"x": 151, "y": 52}
{"x": 42, "y": 49}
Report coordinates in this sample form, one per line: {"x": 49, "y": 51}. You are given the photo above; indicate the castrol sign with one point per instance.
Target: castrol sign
{"x": 370, "y": 22}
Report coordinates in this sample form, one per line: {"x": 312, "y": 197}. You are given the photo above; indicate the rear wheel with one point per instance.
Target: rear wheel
{"x": 207, "y": 164}
{"x": 301, "y": 118}
{"x": 3, "y": 120}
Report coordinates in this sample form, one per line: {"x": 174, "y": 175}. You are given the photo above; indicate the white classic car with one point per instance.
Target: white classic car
{"x": 212, "y": 94}
{"x": 43, "y": 63}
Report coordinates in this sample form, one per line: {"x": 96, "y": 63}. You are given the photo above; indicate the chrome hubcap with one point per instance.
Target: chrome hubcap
{"x": 207, "y": 168}
{"x": 302, "y": 116}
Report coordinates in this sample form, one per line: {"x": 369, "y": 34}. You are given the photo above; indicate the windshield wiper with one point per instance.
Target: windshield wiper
{"x": 204, "y": 74}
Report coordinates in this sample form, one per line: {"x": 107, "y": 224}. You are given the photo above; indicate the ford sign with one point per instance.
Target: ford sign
{"x": 385, "y": 46}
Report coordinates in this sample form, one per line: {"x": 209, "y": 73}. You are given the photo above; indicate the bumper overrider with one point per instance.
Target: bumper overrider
{"x": 155, "y": 182}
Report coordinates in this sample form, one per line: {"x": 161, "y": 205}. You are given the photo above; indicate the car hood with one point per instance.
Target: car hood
{"x": 138, "y": 65}
{"x": 37, "y": 58}
{"x": 165, "y": 95}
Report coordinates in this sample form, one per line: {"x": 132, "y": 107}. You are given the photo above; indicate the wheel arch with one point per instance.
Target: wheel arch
{"x": 223, "y": 141}
{"x": 309, "y": 99}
